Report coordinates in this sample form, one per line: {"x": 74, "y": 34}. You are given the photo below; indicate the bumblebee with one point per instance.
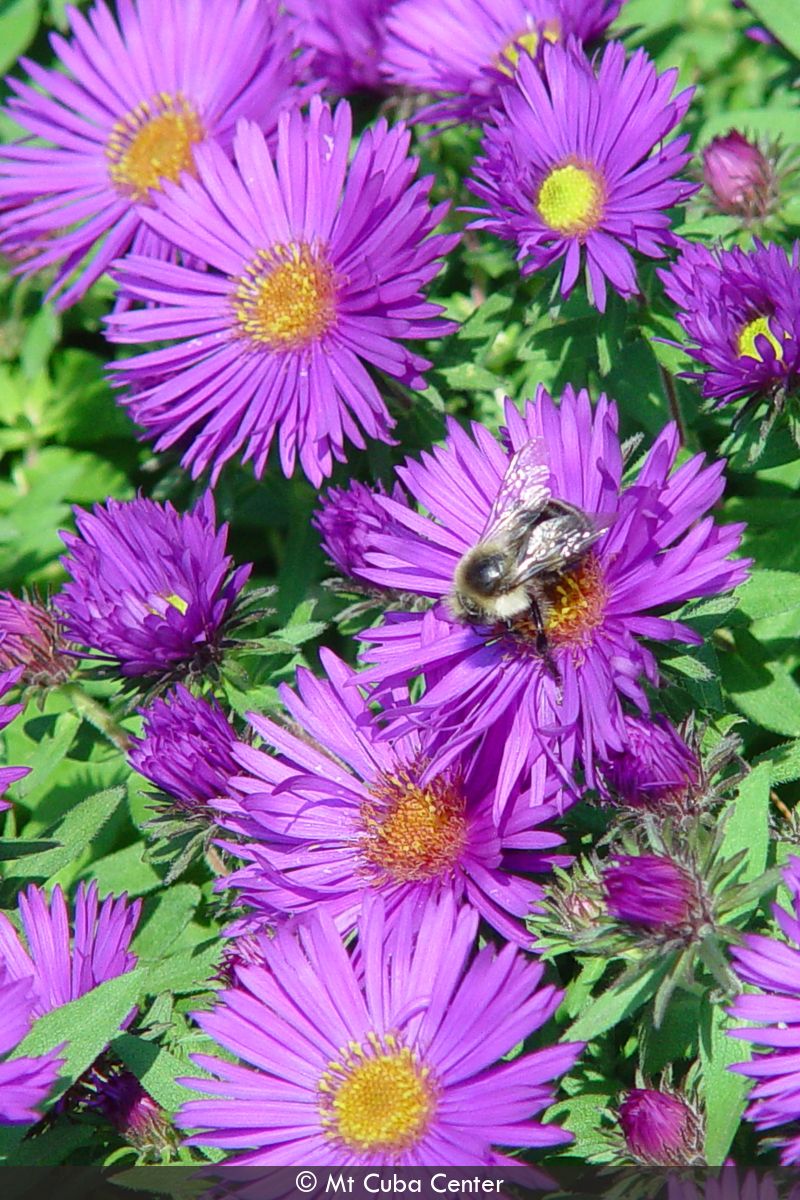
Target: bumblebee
{"x": 531, "y": 538}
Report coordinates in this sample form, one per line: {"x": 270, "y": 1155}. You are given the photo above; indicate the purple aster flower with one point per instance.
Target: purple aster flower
{"x": 9, "y": 775}
{"x": 339, "y": 809}
{"x": 740, "y": 310}
{"x": 576, "y": 166}
{"x": 317, "y": 270}
{"x": 496, "y": 683}
{"x": 346, "y": 39}
{"x": 133, "y": 100}
{"x": 348, "y": 518}
{"x": 186, "y": 749}
{"x": 61, "y": 966}
{"x": 151, "y": 590}
{"x": 655, "y": 769}
{"x": 739, "y": 176}
{"x": 24, "y": 1082}
{"x": 772, "y": 966}
{"x": 390, "y": 1058}
{"x": 118, "y": 1096}
{"x": 651, "y": 891}
{"x": 30, "y": 638}
{"x": 462, "y": 51}
{"x": 660, "y": 1128}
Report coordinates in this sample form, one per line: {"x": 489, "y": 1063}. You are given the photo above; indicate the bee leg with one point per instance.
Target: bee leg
{"x": 543, "y": 647}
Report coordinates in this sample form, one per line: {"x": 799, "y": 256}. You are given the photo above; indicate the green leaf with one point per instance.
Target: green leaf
{"x": 19, "y": 20}
{"x": 747, "y": 824}
{"x": 769, "y": 593}
{"x": 156, "y": 1069}
{"x": 761, "y": 689}
{"x": 618, "y": 1002}
{"x": 723, "y": 1091}
{"x": 72, "y": 834}
{"x": 781, "y": 19}
{"x": 164, "y": 918}
{"x": 783, "y": 762}
{"x": 86, "y": 1025}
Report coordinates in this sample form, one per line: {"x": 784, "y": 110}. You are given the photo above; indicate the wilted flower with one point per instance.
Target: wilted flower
{"x": 29, "y": 638}
{"x": 317, "y": 271}
{"x": 462, "y": 51}
{"x": 389, "y": 1059}
{"x": 152, "y": 590}
{"x": 655, "y": 769}
{"x": 651, "y": 891}
{"x": 9, "y": 775}
{"x": 339, "y": 810}
{"x": 346, "y": 39}
{"x": 739, "y": 176}
{"x": 772, "y": 966}
{"x": 186, "y": 749}
{"x": 740, "y": 310}
{"x": 660, "y": 1128}
{"x": 492, "y": 684}
{"x": 25, "y": 1082}
{"x": 132, "y": 101}
{"x": 575, "y": 166}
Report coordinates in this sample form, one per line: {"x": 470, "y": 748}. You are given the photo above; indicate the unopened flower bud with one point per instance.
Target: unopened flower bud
{"x": 134, "y": 1114}
{"x": 656, "y": 770}
{"x": 739, "y": 176}
{"x": 351, "y": 521}
{"x": 650, "y": 891}
{"x": 29, "y": 638}
{"x": 660, "y": 1128}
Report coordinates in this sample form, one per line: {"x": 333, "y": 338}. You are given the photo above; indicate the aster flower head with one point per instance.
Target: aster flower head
{"x": 347, "y": 519}
{"x": 317, "y": 271}
{"x": 186, "y": 749}
{"x": 116, "y": 1094}
{"x": 651, "y": 891}
{"x": 492, "y": 685}
{"x": 661, "y": 1129}
{"x": 340, "y": 810}
{"x": 463, "y": 51}
{"x": 61, "y": 963}
{"x": 25, "y": 1082}
{"x": 655, "y": 769}
{"x": 151, "y": 590}
{"x": 576, "y": 168}
{"x": 390, "y": 1058}
{"x": 8, "y": 712}
{"x": 740, "y": 311}
{"x": 771, "y": 965}
{"x": 345, "y": 38}
{"x": 30, "y": 638}
{"x": 134, "y": 97}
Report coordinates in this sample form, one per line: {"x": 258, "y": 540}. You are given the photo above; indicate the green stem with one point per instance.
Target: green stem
{"x": 97, "y": 715}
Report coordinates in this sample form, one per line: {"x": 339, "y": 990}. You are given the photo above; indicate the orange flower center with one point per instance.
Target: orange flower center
{"x": 411, "y": 832}
{"x": 152, "y": 143}
{"x": 286, "y": 298}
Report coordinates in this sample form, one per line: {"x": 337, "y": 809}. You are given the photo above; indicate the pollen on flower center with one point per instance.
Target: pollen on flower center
{"x": 286, "y": 297}
{"x": 151, "y": 143}
{"x": 576, "y": 603}
{"x": 506, "y": 61}
{"x": 571, "y": 199}
{"x": 376, "y": 1098}
{"x": 411, "y": 832}
{"x": 746, "y": 341}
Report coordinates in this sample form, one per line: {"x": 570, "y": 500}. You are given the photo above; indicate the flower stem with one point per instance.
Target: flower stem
{"x": 97, "y": 715}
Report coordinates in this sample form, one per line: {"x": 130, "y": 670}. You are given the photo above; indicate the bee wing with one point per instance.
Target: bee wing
{"x": 556, "y": 543}
{"x": 524, "y": 487}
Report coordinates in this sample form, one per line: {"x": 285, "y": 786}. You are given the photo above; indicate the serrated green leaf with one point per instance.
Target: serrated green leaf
{"x": 783, "y": 762}
{"x": 72, "y": 834}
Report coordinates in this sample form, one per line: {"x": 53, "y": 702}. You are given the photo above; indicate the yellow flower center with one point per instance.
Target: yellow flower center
{"x": 286, "y": 297}
{"x": 376, "y": 1098}
{"x": 573, "y": 607}
{"x": 746, "y": 341}
{"x": 411, "y": 832}
{"x": 151, "y": 143}
{"x": 571, "y": 199}
{"x": 508, "y": 58}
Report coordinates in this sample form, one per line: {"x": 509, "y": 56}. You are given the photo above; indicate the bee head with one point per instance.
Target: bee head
{"x": 484, "y": 573}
